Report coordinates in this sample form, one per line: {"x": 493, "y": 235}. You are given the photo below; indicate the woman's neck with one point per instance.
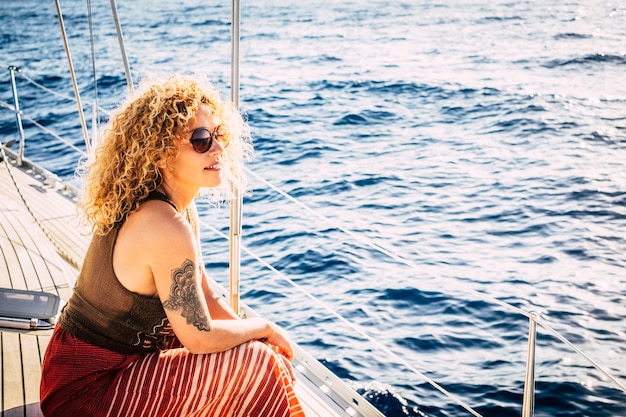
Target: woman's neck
{"x": 179, "y": 198}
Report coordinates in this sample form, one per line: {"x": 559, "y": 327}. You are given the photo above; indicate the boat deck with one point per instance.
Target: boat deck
{"x": 30, "y": 260}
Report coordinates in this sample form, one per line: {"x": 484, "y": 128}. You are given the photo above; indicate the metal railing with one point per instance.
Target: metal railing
{"x": 18, "y": 113}
{"x": 534, "y": 318}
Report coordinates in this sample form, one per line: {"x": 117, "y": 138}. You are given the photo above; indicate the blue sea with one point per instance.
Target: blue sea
{"x": 431, "y": 157}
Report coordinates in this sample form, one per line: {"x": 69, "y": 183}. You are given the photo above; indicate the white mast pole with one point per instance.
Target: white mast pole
{"x": 236, "y": 204}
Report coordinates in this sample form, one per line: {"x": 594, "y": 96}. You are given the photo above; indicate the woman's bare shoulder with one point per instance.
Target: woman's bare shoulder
{"x": 155, "y": 231}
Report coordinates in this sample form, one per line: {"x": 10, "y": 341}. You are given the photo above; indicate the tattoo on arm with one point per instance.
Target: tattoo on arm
{"x": 185, "y": 296}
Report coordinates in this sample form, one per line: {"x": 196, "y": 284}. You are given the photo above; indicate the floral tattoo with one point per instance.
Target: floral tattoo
{"x": 184, "y": 296}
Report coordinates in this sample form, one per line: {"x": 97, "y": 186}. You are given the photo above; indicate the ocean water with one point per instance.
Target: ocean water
{"x": 461, "y": 151}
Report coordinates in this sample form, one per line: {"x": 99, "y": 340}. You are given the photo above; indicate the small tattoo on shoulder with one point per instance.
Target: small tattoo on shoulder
{"x": 185, "y": 297}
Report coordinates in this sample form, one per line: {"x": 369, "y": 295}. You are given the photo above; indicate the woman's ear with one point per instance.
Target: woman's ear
{"x": 162, "y": 164}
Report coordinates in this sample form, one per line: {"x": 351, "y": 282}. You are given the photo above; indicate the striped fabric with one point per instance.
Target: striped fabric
{"x": 80, "y": 379}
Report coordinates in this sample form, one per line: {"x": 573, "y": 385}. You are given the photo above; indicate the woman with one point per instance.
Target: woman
{"x": 143, "y": 334}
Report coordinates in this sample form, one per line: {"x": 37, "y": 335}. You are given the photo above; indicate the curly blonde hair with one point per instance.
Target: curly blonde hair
{"x": 142, "y": 132}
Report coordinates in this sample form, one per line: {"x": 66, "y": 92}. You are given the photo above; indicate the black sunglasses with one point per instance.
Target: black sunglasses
{"x": 202, "y": 139}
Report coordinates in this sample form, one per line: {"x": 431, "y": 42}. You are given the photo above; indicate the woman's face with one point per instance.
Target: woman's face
{"x": 193, "y": 168}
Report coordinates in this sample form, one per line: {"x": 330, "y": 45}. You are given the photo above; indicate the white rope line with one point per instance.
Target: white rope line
{"x": 7, "y": 106}
{"x": 353, "y": 326}
{"x": 63, "y": 96}
{"x": 56, "y": 136}
{"x": 599, "y": 367}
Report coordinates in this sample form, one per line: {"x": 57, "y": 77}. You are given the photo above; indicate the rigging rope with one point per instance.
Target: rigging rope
{"x": 56, "y": 93}
{"x": 580, "y": 352}
{"x": 51, "y": 133}
{"x": 7, "y": 106}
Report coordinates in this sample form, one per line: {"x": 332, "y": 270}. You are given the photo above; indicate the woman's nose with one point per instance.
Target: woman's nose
{"x": 216, "y": 148}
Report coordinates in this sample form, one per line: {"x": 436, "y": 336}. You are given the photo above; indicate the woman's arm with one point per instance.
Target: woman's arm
{"x": 202, "y": 320}
{"x": 218, "y": 307}
{"x": 171, "y": 254}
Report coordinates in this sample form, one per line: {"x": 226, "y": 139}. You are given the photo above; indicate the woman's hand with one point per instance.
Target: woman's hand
{"x": 279, "y": 341}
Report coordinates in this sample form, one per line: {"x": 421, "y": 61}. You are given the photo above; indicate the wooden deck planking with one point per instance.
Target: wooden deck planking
{"x": 59, "y": 217}
{"x": 31, "y": 261}
{"x": 53, "y": 207}
{"x": 28, "y": 260}
{"x": 21, "y": 373}
{"x": 12, "y": 385}
{"x": 31, "y": 356}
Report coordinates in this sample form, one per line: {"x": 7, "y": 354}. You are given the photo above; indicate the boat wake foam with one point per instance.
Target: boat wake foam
{"x": 386, "y": 399}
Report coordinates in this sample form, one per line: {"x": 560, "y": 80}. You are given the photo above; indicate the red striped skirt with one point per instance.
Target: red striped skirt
{"x": 84, "y": 380}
